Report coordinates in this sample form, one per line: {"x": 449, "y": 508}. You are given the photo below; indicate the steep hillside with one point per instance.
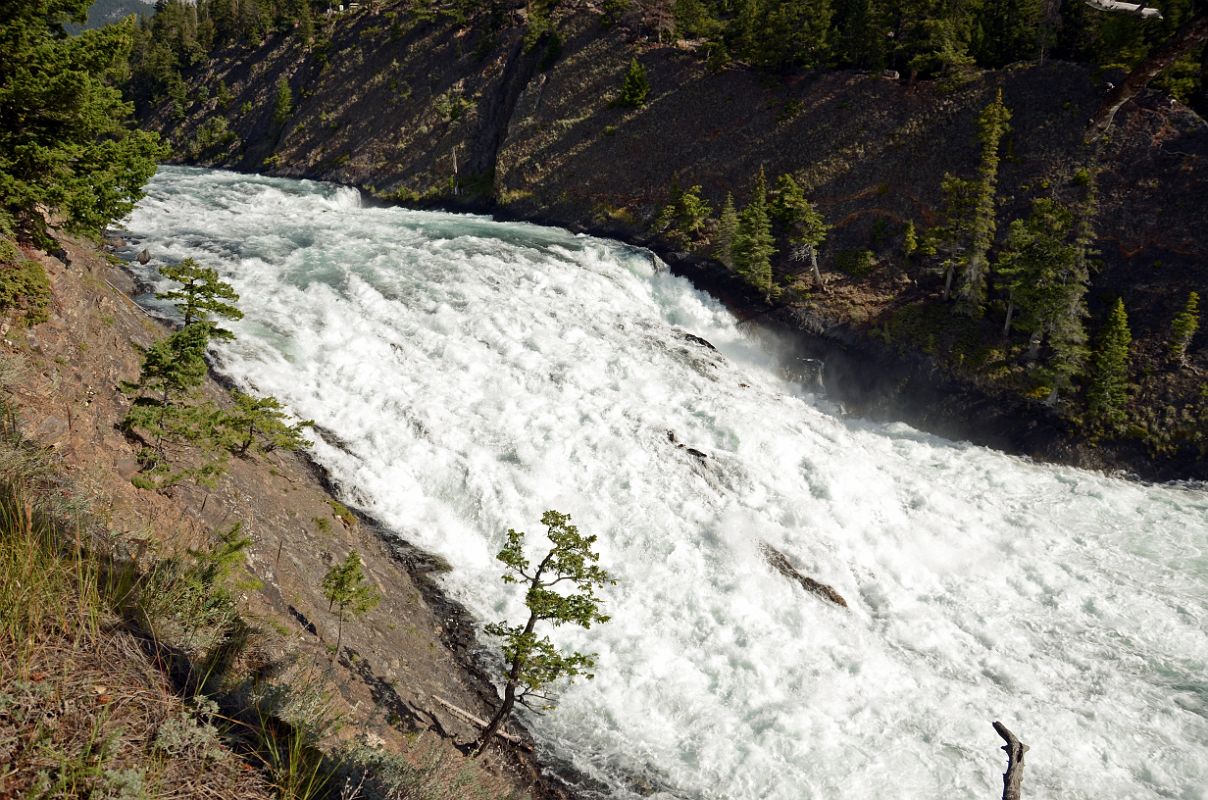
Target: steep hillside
{"x": 426, "y": 109}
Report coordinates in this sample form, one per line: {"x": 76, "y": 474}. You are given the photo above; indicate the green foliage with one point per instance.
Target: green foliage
{"x": 202, "y": 296}
{"x": 910, "y": 241}
{"x": 533, "y": 661}
{"x": 1107, "y": 393}
{"x": 636, "y": 86}
{"x": 283, "y": 103}
{"x": 727, "y": 233}
{"x": 754, "y": 245}
{"x": 211, "y": 135}
{"x": 1183, "y": 329}
{"x": 259, "y": 425}
{"x": 685, "y": 219}
{"x": 24, "y": 287}
{"x": 992, "y": 125}
{"x": 66, "y": 143}
{"x": 1038, "y": 266}
{"x": 347, "y": 590}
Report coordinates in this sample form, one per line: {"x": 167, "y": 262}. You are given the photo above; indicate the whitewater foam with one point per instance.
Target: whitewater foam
{"x": 477, "y": 373}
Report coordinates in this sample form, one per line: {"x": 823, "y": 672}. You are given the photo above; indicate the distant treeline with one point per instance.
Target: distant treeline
{"x": 917, "y": 38}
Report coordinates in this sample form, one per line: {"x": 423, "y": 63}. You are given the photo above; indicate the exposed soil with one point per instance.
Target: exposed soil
{"x": 416, "y": 646}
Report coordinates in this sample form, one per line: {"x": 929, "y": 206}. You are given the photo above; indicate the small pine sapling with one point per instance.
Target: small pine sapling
{"x": 348, "y": 591}
{"x": 1183, "y": 329}
{"x": 260, "y": 425}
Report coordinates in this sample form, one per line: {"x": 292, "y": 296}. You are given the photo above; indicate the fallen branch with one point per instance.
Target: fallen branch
{"x": 1012, "y": 779}
{"x": 466, "y": 715}
{"x": 1128, "y": 8}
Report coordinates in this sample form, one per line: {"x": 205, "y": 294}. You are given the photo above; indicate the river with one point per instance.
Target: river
{"x": 468, "y": 374}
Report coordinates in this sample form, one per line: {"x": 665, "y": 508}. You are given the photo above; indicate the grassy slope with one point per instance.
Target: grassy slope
{"x": 269, "y": 660}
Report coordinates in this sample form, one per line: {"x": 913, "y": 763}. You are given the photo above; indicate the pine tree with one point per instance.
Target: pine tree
{"x": 1038, "y": 268}
{"x": 1107, "y": 394}
{"x": 532, "y": 662}
{"x": 910, "y": 241}
{"x": 636, "y": 86}
{"x": 348, "y": 591}
{"x": 801, "y": 223}
{"x": 1183, "y": 329}
{"x": 67, "y": 145}
{"x": 727, "y": 233}
{"x": 992, "y": 126}
{"x": 259, "y": 424}
{"x": 683, "y": 220}
{"x": 283, "y": 106}
{"x": 753, "y": 244}
{"x": 202, "y": 296}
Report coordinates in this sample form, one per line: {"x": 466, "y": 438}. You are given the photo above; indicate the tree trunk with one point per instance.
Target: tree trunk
{"x": 340, "y": 631}
{"x": 948, "y": 281}
{"x": 814, "y": 266}
{"x": 1034, "y": 346}
{"x": 1193, "y": 33}
{"x": 1012, "y": 779}
{"x": 1006, "y": 326}
{"x": 509, "y": 689}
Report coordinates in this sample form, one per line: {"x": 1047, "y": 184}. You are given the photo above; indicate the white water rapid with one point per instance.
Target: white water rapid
{"x": 475, "y": 373}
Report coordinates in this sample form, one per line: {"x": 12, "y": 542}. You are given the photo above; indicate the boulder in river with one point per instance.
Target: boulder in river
{"x": 144, "y": 256}
{"x": 780, "y": 562}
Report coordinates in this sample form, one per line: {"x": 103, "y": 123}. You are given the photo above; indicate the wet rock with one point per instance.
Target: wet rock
{"x": 780, "y": 562}
{"x": 692, "y": 451}
{"x": 144, "y": 256}
{"x": 698, "y": 340}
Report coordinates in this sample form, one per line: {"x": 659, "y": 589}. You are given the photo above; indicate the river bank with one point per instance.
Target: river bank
{"x": 417, "y": 646}
{"x": 436, "y": 113}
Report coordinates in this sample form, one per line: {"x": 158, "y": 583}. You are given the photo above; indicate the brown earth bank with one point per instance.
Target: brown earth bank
{"x": 437, "y": 113}
{"x": 383, "y": 685}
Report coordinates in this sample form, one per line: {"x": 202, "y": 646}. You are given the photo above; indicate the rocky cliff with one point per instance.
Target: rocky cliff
{"x": 427, "y": 110}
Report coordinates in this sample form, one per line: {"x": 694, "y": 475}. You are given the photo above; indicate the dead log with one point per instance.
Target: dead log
{"x": 1193, "y": 34}
{"x": 1141, "y": 10}
{"x": 468, "y": 717}
{"x": 780, "y": 562}
{"x": 1012, "y": 779}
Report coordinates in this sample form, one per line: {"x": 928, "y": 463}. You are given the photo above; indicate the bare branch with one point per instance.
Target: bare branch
{"x": 1012, "y": 779}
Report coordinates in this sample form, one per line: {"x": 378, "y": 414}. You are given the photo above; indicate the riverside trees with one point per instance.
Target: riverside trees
{"x": 67, "y": 146}
{"x": 168, "y": 408}
{"x": 531, "y": 661}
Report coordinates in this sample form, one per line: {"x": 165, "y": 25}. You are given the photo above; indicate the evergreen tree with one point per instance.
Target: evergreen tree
{"x": 348, "y": 591}
{"x": 951, "y": 240}
{"x": 790, "y": 33}
{"x": 1183, "y": 329}
{"x": 861, "y": 33}
{"x": 753, "y": 244}
{"x": 1038, "y": 268}
{"x": 283, "y": 106}
{"x": 202, "y": 296}
{"x": 533, "y": 662}
{"x": 636, "y": 86}
{"x": 800, "y": 222}
{"x": 1009, "y": 31}
{"x": 67, "y": 145}
{"x": 992, "y": 126}
{"x": 684, "y": 219}
{"x": 259, "y": 424}
{"x": 910, "y": 241}
{"x": 727, "y": 233}
{"x": 1107, "y": 394}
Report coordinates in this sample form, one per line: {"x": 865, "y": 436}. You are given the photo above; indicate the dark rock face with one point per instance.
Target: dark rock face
{"x": 436, "y": 114}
